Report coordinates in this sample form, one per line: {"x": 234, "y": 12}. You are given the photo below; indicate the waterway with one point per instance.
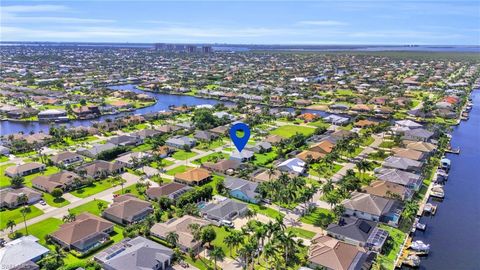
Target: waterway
{"x": 454, "y": 232}
{"x": 163, "y": 102}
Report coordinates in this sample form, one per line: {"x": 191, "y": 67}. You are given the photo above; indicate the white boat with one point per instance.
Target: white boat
{"x": 419, "y": 246}
{"x": 437, "y": 191}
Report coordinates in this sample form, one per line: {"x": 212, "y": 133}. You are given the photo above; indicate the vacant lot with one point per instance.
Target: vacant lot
{"x": 288, "y": 131}
{"x": 16, "y": 215}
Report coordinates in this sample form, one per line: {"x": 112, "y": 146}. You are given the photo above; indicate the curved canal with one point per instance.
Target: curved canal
{"x": 454, "y": 232}
{"x": 162, "y": 104}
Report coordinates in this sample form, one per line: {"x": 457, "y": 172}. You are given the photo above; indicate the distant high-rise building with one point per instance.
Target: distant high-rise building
{"x": 191, "y": 48}
{"x": 207, "y": 49}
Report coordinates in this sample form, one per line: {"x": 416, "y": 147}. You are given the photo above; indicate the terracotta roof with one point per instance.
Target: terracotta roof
{"x": 85, "y": 225}
{"x": 193, "y": 175}
{"x": 332, "y": 253}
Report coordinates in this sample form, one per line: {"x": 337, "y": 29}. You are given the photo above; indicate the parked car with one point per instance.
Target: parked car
{"x": 226, "y": 223}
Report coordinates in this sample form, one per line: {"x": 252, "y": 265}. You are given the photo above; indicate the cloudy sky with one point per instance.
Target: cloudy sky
{"x": 247, "y": 22}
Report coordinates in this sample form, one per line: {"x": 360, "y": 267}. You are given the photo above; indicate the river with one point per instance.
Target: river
{"x": 454, "y": 232}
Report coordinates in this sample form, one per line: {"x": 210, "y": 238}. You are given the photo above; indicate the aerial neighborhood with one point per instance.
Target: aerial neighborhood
{"x": 128, "y": 163}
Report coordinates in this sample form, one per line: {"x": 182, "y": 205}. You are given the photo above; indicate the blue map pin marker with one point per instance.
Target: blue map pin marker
{"x": 240, "y": 142}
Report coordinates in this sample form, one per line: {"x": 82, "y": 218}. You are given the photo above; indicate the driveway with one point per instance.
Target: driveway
{"x": 240, "y": 222}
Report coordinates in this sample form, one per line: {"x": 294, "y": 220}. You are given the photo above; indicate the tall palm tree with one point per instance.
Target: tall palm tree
{"x": 328, "y": 186}
{"x": 23, "y": 200}
{"x": 172, "y": 238}
{"x": 234, "y": 240}
{"x": 69, "y": 217}
{"x": 217, "y": 254}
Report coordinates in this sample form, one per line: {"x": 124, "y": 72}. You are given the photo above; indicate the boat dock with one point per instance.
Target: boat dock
{"x": 424, "y": 205}
{"x": 453, "y": 151}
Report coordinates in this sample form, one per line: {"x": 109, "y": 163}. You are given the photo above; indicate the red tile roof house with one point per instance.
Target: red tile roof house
{"x": 127, "y": 209}
{"x": 24, "y": 169}
{"x": 86, "y": 232}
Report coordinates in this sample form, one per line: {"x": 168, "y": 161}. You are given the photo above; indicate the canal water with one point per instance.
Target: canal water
{"x": 162, "y": 104}
{"x": 454, "y": 232}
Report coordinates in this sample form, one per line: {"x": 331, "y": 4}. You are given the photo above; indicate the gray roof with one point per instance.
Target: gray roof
{"x": 98, "y": 148}
{"x": 138, "y": 253}
{"x": 396, "y": 176}
{"x": 223, "y": 209}
{"x": 353, "y": 228}
{"x": 419, "y": 132}
{"x": 20, "y": 251}
{"x": 401, "y": 163}
{"x": 245, "y": 186}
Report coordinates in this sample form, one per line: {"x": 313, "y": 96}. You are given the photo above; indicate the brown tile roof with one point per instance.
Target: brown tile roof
{"x": 385, "y": 189}
{"x": 85, "y": 225}
{"x": 408, "y": 153}
{"x": 126, "y": 206}
{"x": 165, "y": 190}
{"x": 332, "y": 253}
{"x": 49, "y": 182}
{"x": 305, "y": 155}
{"x": 193, "y": 175}
{"x": 324, "y": 147}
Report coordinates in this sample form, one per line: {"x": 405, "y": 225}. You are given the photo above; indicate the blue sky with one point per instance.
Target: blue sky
{"x": 247, "y": 22}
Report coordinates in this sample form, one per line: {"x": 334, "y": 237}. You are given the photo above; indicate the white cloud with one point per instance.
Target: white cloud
{"x": 323, "y": 23}
{"x": 32, "y": 8}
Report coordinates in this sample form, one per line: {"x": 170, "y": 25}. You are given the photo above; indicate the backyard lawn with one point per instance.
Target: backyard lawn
{"x": 95, "y": 188}
{"x": 179, "y": 169}
{"x": 318, "y": 217}
{"x": 91, "y": 207}
{"x": 183, "y": 155}
{"x": 16, "y": 215}
{"x": 288, "y": 131}
{"x": 4, "y": 180}
{"x": 211, "y": 145}
{"x": 42, "y": 228}
{"x": 266, "y": 211}
{"x": 302, "y": 232}
{"x": 265, "y": 158}
{"x": 391, "y": 247}
{"x": 164, "y": 163}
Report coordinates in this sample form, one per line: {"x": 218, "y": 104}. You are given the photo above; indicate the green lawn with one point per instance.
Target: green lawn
{"x": 392, "y": 246}
{"x": 288, "y": 131}
{"x": 164, "y": 163}
{"x": 387, "y": 144}
{"x": 368, "y": 141}
{"x": 183, "y": 155}
{"x": 220, "y": 239}
{"x": 179, "y": 169}
{"x": 3, "y": 158}
{"x": 16, "y": 215}
{"x": 42, "y": 228}
{"x": 210, "y": 146}
{"x": 4, "y": 180}
{"x": 265, "y": 158}
{"x": 143, "y": 147}
{"x": 130, "y": 189}
{"x": 266, "y": 211}
{"x": 95, "y": 188}
{"x": 302, "y": 232}
{"x": 211, "y": 158}
{"x": 325, "y": 171}
{"x": 55, "y": 202}
{"x": 319, "y": 123}
{"x": 318, "y": 217}
{"x": 91, "y": 207}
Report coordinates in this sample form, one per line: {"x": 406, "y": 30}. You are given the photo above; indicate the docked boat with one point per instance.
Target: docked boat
{"x": 445, "y": 164}
{"x": 412, "y": 261}
{"x": 420, "y": 246}
{"x": 430, "y": 208}
{"x": 419, "y": 226}
{"x": 437, "y": 191}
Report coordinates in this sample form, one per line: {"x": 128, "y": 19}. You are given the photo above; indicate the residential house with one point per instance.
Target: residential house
{"x": 407, "y": 179}
{"x": 100, "y": 169}
{"x": 371, "y": 207}
{"x": 221, "y": 208}
{"x": 138, "y": 253}
{"x": 336, "y": 119}
{"x": 293, "y": 165}
{"x": 24, "y": 169}
{"x": 242, "y": 189}
{"x": 163, "y": 151}
{"x": 220, "y": 130}
{"x": 127, "y": 209}
{"x": 193, "y": 177}
{"x": 206, "y": 136}
{"x": 402, "y": 163}
{"x": 66, "y": 158}
{"x": 329, "y": 253}
{"x": 64, "y": 180}
{"x": 358, "y": 232}
{"x": 181, "y": 226}
{"x": 86, "y": 232}
{"x": 168, "y": 128}
{"x": 408, "y": 153}
{"x": 170, "y": 190}
{"x": 96, "y": 149}
{"x": 181, "y": 142}
{"x": 243, "y": 156}
{"x": 19, "y": 253}
{"x": 388, "y": 190}
{"x": 418, "y": 134}
{"x": 52, "y": 115}
{"x": 132, "y": 159}
{"x": 225, "y": 166}
{"x": 273, "y": 139}
{"x": 125, "y": 140}
{"x": 260, "y": 147}
{"x": 9, "y": 196}
{"x": 409, "y": 124}
{"x": 146, "y": 133}
{"x": 424, "y": 147}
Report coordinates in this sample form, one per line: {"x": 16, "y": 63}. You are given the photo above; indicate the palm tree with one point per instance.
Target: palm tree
{"x": 69, "y": 217}
{"x": 172, "y": 238}
{"x": 58, "y": 254}
{"x": 23, "y": 200}
{"x": 270, "y": 252}
{"x": 250, "y": 213}
{"x": 328, "y": 187}
{"x": 11, "y": 224}
{"x": 233, "y": 240}
{"x": 217, "y": 254}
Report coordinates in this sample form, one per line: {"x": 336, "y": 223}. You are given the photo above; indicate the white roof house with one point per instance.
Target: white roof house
{"x": 408, "y": 124}
{"x": 295, "y": 165}
{"x": 20, "y": 251}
